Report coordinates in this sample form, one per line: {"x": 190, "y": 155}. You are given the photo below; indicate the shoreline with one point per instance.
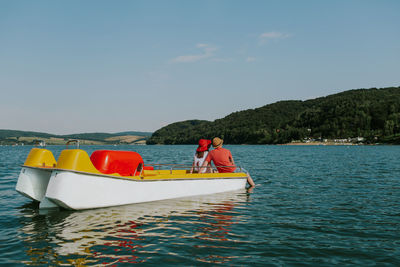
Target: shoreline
{"x": 321, "y": 144}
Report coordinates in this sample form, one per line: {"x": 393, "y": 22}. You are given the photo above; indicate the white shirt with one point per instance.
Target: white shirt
{"x": 198, "y": 162}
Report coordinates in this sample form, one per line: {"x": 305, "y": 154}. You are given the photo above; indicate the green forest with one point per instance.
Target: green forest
{"x": 373, "y": 114}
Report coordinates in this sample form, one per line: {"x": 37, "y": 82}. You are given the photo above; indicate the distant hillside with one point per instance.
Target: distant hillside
{"x": 104, "y": 136}
{"x": 373, "y": 114}
{"x": 14, "y": 137}
{"x": 4, "y": 134}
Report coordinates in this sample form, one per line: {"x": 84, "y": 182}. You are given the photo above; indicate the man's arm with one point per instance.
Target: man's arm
{"x": 232, "y": 161}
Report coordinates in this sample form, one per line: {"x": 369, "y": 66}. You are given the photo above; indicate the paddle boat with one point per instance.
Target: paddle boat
{"x": 112, "y": 178}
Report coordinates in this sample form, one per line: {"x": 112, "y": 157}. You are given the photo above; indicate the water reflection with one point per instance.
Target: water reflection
{"x": 216, "y": 227}
{"x": 134, "y": 233}
{"x": 216, "y": 221}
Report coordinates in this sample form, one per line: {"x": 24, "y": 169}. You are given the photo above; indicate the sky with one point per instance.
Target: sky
{"x": 112, "y": 66}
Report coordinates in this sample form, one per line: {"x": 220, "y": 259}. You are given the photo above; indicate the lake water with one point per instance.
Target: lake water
{"x": 313, "y": 205}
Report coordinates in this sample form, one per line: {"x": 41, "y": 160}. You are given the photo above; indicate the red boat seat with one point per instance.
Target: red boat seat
{"x": 125, "y": 163}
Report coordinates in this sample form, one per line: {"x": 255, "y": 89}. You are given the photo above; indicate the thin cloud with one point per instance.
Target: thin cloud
{"x": 268, "y": 36}
{"x": 222, "y": 60}
{"x": 250, "y": 59}
{"x": 207, "y": 51}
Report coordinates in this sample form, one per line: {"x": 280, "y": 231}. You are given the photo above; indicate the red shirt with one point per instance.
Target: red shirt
{"x": 221, "y": 157}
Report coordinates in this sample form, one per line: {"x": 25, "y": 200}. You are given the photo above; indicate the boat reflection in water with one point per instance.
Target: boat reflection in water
{"x": 186, "y": 230}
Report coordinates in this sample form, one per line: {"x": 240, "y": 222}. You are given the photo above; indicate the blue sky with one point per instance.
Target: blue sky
{"x": 110, "y": 66}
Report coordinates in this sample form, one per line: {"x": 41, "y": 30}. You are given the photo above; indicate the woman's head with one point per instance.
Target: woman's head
{"x": 204, "y": 145}
{"x": 200, "y": 154}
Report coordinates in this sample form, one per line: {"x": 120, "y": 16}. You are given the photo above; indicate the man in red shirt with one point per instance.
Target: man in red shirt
{"x": 222, "y": 159}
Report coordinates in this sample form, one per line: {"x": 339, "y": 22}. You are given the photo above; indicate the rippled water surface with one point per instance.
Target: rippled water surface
{"x": 313, "y": 205}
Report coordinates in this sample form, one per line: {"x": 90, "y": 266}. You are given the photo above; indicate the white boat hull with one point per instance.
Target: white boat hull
{"x": 77, "y": 191}
{"x": 32, "y": 182}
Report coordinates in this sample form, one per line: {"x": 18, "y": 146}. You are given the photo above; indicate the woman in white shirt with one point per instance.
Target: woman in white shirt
{"x": 200, "y": 155}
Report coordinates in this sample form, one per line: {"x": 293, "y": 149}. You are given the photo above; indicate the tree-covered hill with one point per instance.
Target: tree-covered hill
{"x": 370, "y": 113}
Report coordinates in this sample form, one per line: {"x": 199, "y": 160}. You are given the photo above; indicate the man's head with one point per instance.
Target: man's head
{"x": 217, "y": 142}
